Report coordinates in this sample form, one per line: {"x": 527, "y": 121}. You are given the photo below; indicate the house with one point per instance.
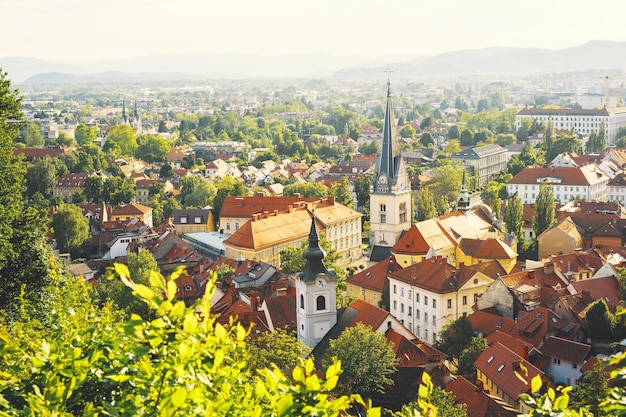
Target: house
{"x": 134, "y": 230}
{"x": 587, "y": 182}
{"x": 479, "y": 403}
{"x": 430, "y": 294}
{"x": 81, "y": 270}
{"x": 496, "y": 369}
{"x": 179, "y": 154}
{"x": 565, "y": 360}
{"x": 369, "y": 284}
{"x": 562, "y": 237}
{"x": 267, "y": 233}
{"x": 484, "y": 162}
{"x": 68, "y": 184}
{"x": 193, "y": 220}
{"x": 45, "y": 152}
{"x": 128, "y": 211}
{"x": 142, "y": 189}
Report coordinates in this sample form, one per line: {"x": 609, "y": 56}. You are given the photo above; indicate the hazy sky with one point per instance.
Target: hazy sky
{"x": 90, "y": 30}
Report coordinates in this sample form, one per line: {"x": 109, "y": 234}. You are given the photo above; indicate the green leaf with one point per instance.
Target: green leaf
{"x": 143, "y": 292}
{"x": 561, "y": 402}
{"x": 190, "y": 324}
{"x": 179, "y": 396}
{"x": 297, "y": 374}
{"x": 122, "y": 270}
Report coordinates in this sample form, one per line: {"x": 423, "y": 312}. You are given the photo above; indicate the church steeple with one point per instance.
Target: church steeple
{"x": 463, "y": 202}
{"x": 124, "y": 117}
{"x": 314, "y": 256}
{"x": 388, "y": 152}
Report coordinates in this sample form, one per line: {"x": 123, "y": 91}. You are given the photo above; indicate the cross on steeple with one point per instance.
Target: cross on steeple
{"x": 388, "y": 71}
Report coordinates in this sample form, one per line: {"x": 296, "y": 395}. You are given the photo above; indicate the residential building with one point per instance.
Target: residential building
{"x": 480, "y": 402}
{"x": 430, "y": 294}
{"x": 368, "y": 285}
{"x": 565, "y": 360}
{"x": 209, "y": 151}
{"x": 128, "y": 211}
{"x": 562, "y": 237}
{"x": 179, "y": 154}
{"x": 193, "y": 220}
{"x": 390, "y": 192}
{"x": 267, "y": 233}
{"x": 581, "y": 121}
{"x": 142, "y": 189}
{"x": 483, "y": 162}
{"x": 584, "y": 183}
{"x": 68, "y": 184}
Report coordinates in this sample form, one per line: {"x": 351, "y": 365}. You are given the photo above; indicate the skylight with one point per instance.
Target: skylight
{"x": 490, "y": 359}
{"x": 501, "y": 367}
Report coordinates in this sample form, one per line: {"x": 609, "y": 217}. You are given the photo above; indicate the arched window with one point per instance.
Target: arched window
{"x": 301, "y": 301}
{"x": 321, "y": 302}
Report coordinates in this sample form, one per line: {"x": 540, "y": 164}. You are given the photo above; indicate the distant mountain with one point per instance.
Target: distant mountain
{"x": 595, "y": 55}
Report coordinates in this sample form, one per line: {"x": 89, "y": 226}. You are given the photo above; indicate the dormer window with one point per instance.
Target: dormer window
{"x": 183, "y": 219}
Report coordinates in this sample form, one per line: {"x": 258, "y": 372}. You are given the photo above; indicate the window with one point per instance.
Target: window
{"x": 417, "y": 297}
{"x": 395, "y": 305}
{"x": 395, "y": 289}
{"x": 183, "y": 219}
{"x": 434, "y": 320}
{"x": 434, "y": 303}
{"x": 401, "y": 307}
{"x": 321, "y": 302}
{"x": 426, "y": 318}
{"x": 557, "y": 361}
{"x": 236, "y": 225}
{"x": 401, "y": 291}
{"x": 449, "y": 302}
{"x": 383, "y": 208}
{"x": 465, "y": 300}
{"x": 475, "y": 298}
{"x": 383, "y": 218}
{"x": 197, "y": 219}
{"x": 410, "y": 310}
{"x": 426, "y": 334}
{"x": 425, "y": 300}
{"x": 363, "y": 292}
{"x": 410, "y": 295}
{"x": 434, "y": 337}
{"x": 227, "y": 225}
{"x": 574, "y": 365}
{"x": 301, "y": 301}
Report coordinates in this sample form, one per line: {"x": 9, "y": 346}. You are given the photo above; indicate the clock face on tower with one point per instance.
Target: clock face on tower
{"x": 382, "y": 179}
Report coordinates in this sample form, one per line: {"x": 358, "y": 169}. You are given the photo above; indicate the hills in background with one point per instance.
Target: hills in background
{"x": 594, "y": 55}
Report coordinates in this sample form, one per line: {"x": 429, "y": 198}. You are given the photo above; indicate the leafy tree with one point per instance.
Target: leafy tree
{"x": 496, "y": 206}
{"x": 24, "y": 254}
{"x": 594, "y": 385}
{"x": 467, "y": 138}
{"x": 455, "y": 337}
{"x": 370, "y": 148}
{"x": 515, "y": 165}
{"x": 427, "y": 139}
{"x": 166, "y": 171}
{"x": 202, "y": 195}
{"x": 124, "y": 137}
{"x": 92, "y": 189}
{"x": 41, "y": 178}
{"x": 342, "y": 192}
{"x": 446, "y": 404}
{"x": 600, "y": 321}
{"x": 292, "y": 258}
{"x": 468, "y": 356}
{"x": 362, "y": 190}
{"x": 454, "y": 133}
{"x": 152, "y": 148}
{"x": 85, "y": 134}
{"x": 367, "y": 358}
{"x": 544, "y": 209}
{"x": 513, "y": 216}
{"x": 280, "y": 347}
{"x": 407, "y": 131}
{"x": 452, "y": 147}
{"x": 307, "y": 189}
{"x": 564, "y": 143}
{"x": 116, "y": 190}
{"x": 228, "y": 186}
{"x": 89, "y": 362}
{"x": 70, "y": 229}
{"x": 446, "y": 182}
{"x": 425, "y": 205}
{"x": 31, "y": 135}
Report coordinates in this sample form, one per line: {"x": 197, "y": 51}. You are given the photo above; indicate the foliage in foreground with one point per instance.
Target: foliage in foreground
{"x": 86, "y": 361}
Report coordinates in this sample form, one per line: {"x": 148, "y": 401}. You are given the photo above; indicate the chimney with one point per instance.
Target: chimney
{"x": 479, "y": 385}
{"x": 531, "y": 274}
{"x": 254, "y": 301}
{"x": 331, "y": 199}
{"x": 548, "y": 268}
{"x": 296, "y": 195}
{"x": 281, "y": 292}
{"x": 525, "y": 352}
{"x": 260, "y": 194}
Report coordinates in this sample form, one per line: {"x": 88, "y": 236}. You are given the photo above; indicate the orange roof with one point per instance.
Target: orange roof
{"x": 435, "y": 275}
{"x": 368, "y": 314}
{"x": 477, "y": 400}
{"x": 131, "y": 209}
{"x": 487, "y": 249}
{"x": 487, "y": 323}
{"x": 248, "y": 205}
{"x": 375, "y": 277}
{"x": 556, "y": 347}
{"x": 412, "y": 242}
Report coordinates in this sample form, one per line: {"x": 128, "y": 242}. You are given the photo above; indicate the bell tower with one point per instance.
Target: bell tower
{"x": 390, "y": 192}
{"x": 315, "y": 294}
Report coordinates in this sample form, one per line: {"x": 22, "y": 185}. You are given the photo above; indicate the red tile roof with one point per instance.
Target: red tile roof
{"x": 556, "y": 347}
{"x": 282, "y": 311}
{"x": 30, "y": 153}
{"x": 369, "y": 314}
{"x": 435, "y": 275}
{"x": 412, "y": 242}
{"x": 72, "y": 180}
{"x": 245, "y": 207}
{"x": 487, "y": 323}
{"x": 608, "y": 288}
{"x": 477, "y": 401}
{"x": 375, "y": 277}
{"x": 498, "y": 363}
{"x": 567, "y": 175}
{"x": 131, "y": 209}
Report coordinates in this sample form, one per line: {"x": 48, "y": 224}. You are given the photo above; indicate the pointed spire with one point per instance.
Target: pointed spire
{"x": 387, "y": 153}
{"x": 463, "y": 202}
{"x": 124, "y": 119}
{"x": 314, "y": 256}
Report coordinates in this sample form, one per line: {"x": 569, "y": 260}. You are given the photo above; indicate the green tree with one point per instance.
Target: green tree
{"x": 467, "y": 138}
{"x": 515, "y": 165}
{"x": 454, "y": 133}
{"x": 513, "y": 216}
{"x": 152, "y": 148}
{"x": 454, "y": 338}
{"x": 228, "y": 186}
{"x": 41, "y": 178}
{"x": 280, "y": 347}
{"x": 600, "y": 321}
{"x": 166, "y": 171}
{"x": 593, "y": 386}
{"x": 446, "y": 404}
{"x": 202, "y": 195}
{"x": 306, "y": 189}
{"x": 425, "y": 205}
{"x": 367, "y": 358}
{"x": 70, "y": 229}
{"x": 468, "y": 356}
{"x": 31, "y": 135}
{"x": 116, "y": 190}
{"x": 342, "y": 192}
{"x": 85, "y": 134}
{"x": 446, "y": 181}
{"x": 545, "y": 207}
{"x": 407, "y": 131}
{"x": 124, "y": 137}
{"x": 426, "y": 139}
{"x": 369, "y": 148}
{"x": 24, "y": 254}
{"x": 362, "y": 190}
{"x": 92, "y": 189}
{"x": 452, "y": 147}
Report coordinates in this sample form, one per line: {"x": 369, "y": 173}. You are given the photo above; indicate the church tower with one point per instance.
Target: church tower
{"x": 463, "y": 202}
{"x": 315, "y": 294}
{"x": 124, "y": 116}
{"x": 390, "y": 192}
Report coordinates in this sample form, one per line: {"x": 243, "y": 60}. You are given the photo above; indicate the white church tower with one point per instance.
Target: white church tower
{"x": 390, "y": 192}
{"x": 315, "y": 294}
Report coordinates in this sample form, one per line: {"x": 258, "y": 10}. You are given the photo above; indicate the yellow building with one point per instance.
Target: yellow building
{"x": 368, "y": 285}
{"x": 267, "y": 233}
{"x": 193, "y": 221}
{"x": 128, "y": 211}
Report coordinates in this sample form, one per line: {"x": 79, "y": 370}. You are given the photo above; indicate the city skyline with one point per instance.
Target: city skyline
{"x": 78, "y": 31}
